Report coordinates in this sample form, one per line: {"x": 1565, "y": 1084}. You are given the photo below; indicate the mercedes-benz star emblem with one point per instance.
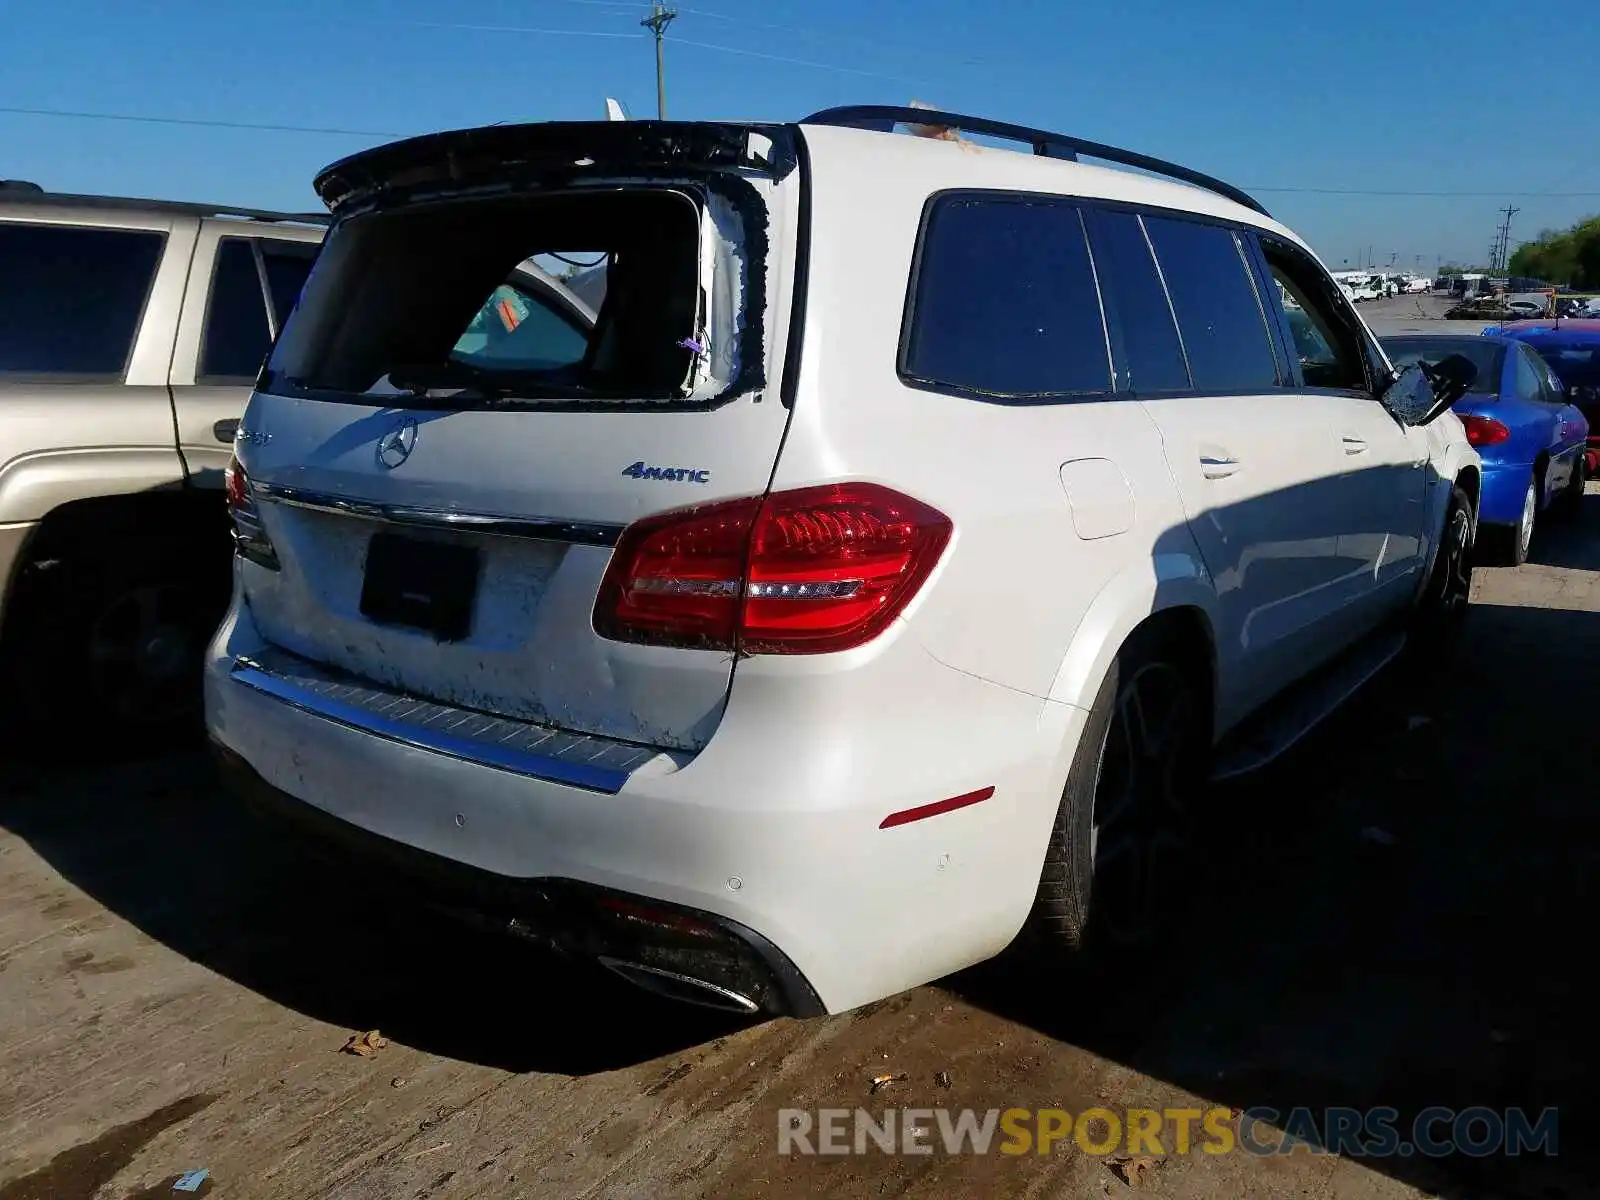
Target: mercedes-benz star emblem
{"x": 395, "y": 446}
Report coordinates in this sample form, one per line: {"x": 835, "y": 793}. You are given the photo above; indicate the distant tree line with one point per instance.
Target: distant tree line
{"x": 1570, "y": 256}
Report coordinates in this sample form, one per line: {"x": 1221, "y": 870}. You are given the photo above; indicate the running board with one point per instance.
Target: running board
{"x": 1287, "y": 718}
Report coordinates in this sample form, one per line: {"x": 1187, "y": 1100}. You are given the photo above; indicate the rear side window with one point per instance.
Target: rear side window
{"x": 1005, "y": 301}
{"x": 236, "y": 337}
{"x": 288, "y": 265}
{"x": 1530, "y": 380}
{"x": 71, "y": 297}
{"x": 237, "y": 334}
{"x": 1150, "y": 344}
{"x": 1219, "y": 314}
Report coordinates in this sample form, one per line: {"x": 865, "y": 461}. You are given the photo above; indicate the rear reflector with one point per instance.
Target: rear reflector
{"x": 907, "y": 815}
{"x": 799, "y": 572}
{"x": 659, "y": 917}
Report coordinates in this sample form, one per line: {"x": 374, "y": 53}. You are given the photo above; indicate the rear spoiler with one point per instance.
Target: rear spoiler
{"x": 553, "y": 154}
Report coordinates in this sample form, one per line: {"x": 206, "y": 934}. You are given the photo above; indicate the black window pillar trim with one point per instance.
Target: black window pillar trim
{"x": 1121, "y": 362}
{"x": 1283, "y": 343}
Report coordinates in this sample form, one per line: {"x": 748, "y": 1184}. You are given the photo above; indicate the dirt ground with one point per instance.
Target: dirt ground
{"x": 1400, "y": 914}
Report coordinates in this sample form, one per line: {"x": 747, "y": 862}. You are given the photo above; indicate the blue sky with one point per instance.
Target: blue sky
{"x": 1399, "y": 96}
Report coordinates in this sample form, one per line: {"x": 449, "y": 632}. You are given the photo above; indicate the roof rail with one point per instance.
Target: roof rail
{"x": 33, "y": 194}
{"x": 884, "y": 117}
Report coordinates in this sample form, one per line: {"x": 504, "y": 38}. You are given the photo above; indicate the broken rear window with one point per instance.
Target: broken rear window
{"x": 575, "y": 296}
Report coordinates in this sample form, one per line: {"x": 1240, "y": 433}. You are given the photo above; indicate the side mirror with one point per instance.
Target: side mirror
{"x": 1421, "y": 393}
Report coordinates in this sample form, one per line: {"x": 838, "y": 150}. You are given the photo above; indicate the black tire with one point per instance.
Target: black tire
{"x": 1442, "y": 607}
{"x": 1110, "y": 896}
{"x": 1508, "y": 545}
{"x": 1569, "y": 505}
{"x": 114, "y": 639}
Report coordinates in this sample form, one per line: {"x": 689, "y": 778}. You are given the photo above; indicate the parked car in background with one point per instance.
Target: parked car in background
{"x": 1362, "y": 287}
{"x": 670, "y": 646}
{"x": 1418, "y": 286}
{"x": 1571, "y": 350}
{"x": 130, "y": 334}
{"x": 1531, "y": 440}
{"x": 1526, "y": 309}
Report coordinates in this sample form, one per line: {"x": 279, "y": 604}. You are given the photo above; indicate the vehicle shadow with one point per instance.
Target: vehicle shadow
{"x": 1397, "y": 914}
{"x": 164, "y": 847}
{"x": 1571, "y": 542}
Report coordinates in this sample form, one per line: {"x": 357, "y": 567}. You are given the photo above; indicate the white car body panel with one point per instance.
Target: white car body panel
{"x": 1287, "y": 524}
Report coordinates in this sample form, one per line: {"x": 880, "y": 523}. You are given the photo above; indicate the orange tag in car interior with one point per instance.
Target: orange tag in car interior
{"x": 509, "y": 316}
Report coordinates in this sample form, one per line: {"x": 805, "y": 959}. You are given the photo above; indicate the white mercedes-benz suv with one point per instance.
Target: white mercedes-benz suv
{"x": 788, "y": 562}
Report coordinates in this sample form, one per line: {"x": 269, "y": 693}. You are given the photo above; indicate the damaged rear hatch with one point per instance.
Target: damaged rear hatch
{"x": 517, "y": 341}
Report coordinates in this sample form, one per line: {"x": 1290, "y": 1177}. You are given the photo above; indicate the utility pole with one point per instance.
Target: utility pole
{"x": 1502, "y": 255}
{"x": 658, "y": 20}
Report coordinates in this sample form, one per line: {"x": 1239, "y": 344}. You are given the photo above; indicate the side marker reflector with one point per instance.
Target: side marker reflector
{"x": 907, "y": 815}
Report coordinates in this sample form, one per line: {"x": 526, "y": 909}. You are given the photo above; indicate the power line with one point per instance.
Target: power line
{"x": 799, "y": 62}
{"x": 1315, "y": 191}
{"x": 588, "y": 33}
{"x": 195, "y": 121}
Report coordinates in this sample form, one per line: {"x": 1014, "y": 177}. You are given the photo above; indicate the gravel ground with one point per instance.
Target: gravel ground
{"x": 1396, "y": 915}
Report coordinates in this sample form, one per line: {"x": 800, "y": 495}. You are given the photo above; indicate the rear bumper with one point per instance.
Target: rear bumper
{"x": 566, "y": 915}
{"x": 774, "y": 831}
{"x": 1504, "y": 486}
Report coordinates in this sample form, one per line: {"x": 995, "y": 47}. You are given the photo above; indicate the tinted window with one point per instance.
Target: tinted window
{"x": 517, "y": 329}
{"x": 237, "y": 338}
{"x": 1006, "y": 300}
{"x": 1150, "y": 345}
{"x": 70, "y": 298}
{"x": 1224, "y": 333}
{"x": 288, "y": 264}
{"x": 1577, "y": 366}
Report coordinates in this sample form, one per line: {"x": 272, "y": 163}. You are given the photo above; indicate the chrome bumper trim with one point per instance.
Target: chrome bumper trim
{"x": 597, "y": 764}
{"x": 543, "y": 529}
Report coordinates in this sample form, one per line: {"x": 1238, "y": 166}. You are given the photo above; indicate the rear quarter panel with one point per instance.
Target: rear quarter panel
{"x": 1020, "y": 576}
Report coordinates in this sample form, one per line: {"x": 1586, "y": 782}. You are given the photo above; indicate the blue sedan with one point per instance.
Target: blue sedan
{"x": 1531, "y": 439}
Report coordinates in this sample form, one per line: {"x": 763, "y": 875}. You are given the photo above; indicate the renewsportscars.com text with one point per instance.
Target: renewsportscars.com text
{"x": 1351, "y": 1132}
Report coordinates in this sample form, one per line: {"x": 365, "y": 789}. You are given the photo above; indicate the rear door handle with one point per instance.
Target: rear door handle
{"x": 1354, "y": 445}
{"x": 1217, "y": 466}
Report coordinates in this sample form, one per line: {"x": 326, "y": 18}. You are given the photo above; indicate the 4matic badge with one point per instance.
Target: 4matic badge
{"x": 639, "y": 470}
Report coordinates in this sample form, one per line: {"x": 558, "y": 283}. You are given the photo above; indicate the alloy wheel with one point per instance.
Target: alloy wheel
{"x": 1530, "y": 510}
{"x": 144, "y": 654}
{"x": 1135, "y": 842}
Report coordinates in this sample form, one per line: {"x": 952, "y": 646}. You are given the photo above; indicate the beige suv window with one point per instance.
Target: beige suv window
{"x": 72, "y": 299}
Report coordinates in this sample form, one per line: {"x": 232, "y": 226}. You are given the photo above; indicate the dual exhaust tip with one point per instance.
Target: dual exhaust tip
{"x": 683, "y": 988}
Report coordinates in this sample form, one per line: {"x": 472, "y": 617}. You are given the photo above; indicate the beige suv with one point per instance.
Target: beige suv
{"x": 131, "y": 332}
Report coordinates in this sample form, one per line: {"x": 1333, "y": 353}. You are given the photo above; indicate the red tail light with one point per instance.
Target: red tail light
{"x": 249, "y": 535}
{"x": 1485, "y": 431}
{"x": 235, "y": 484}
{"x": 800, "y": 572}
